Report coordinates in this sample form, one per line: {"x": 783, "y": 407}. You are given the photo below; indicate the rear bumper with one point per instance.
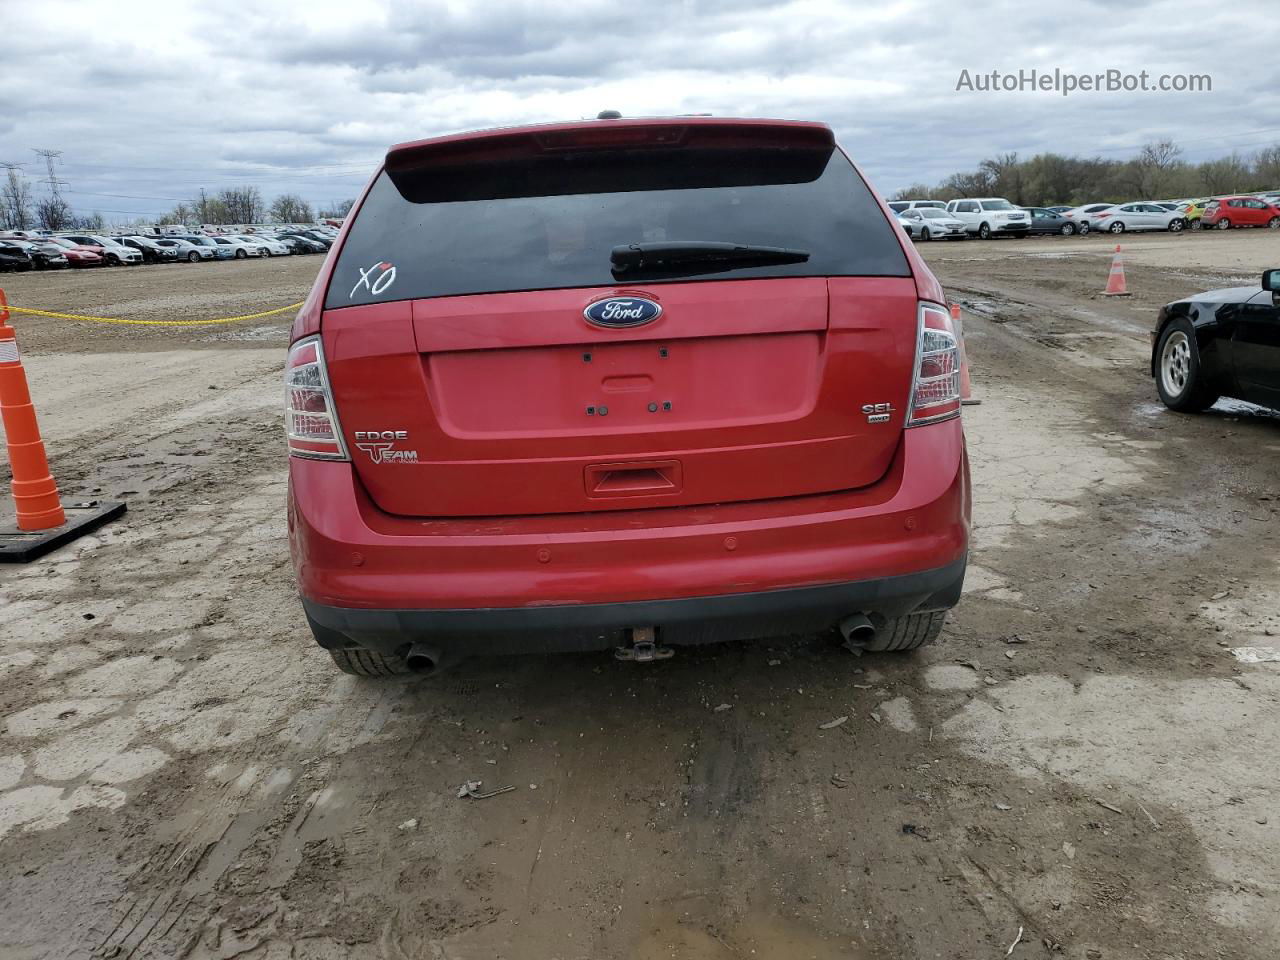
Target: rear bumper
{"x": 379, "y": 580}
{"x": 601, "y": 626}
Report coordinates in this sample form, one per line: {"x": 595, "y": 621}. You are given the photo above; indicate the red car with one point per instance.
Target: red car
{"x": 622, "y": 384}
{"x": 77, "y": 254}
{"x": 1240, "y": 212}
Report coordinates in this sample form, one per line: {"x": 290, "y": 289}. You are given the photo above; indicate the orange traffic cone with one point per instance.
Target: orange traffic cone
{"x": 1115, "y": 281}
{"x": 34, "y": 493}
{"x": 965, "y": 387}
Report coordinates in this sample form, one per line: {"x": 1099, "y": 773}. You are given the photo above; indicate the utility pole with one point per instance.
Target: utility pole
{"x": 55, "y": 185}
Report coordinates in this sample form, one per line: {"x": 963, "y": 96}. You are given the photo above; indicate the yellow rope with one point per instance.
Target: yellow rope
{"x": 151, "y": 323}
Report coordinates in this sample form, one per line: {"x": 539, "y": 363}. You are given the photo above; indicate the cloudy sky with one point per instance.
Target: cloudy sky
{"x": 149, "y": 102}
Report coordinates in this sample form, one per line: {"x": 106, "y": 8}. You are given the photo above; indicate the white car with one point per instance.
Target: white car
{"x": 240, "y": 249}
{"x": 990, "y": 216}
{"x": 1141, "y": 215}
{"x": 266, "y": 246}
{"x": 114, "y": 253}
{"x": 930, "y": 223}
{"x": 898, "y": 206}
{"x": 1082, "y": 216}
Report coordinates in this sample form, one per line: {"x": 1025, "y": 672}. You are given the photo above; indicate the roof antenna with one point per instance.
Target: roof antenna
{"x": 609, "y": 115}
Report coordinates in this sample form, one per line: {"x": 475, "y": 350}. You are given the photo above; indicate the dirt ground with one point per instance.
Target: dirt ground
{"x": 1081, "y": 768}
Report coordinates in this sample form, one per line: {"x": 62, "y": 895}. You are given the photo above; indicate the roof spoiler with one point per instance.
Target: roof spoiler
{"x": 516, "y": 143}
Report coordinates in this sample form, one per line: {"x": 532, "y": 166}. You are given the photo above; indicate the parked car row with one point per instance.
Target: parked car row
{"x": 29, "y": 250}
{"x": 986, "y": 217}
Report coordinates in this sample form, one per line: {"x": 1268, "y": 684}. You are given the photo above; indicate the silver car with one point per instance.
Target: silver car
{"x": 186, "y": 250}
{"x": 1140, "y": 215}
{"x": 931, "y": 223}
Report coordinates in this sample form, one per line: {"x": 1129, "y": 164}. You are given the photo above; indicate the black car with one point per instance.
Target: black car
{"x": 152, "y": 252}
{"x": 300, "y": 244}
{"x": 324, "y": 242}
{"x": 1220, "y": 343}
{"x": 1045, "y": 220}
{"x": 44, "y": 255}
{"x": 14, "y": 257}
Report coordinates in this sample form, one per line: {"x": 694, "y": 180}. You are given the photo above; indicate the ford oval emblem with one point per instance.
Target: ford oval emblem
{"x": 622, "y": 312}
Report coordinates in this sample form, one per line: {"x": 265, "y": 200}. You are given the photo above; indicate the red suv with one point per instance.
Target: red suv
{"x": 1240, "y": 212}
{"x": 622, "y": 384}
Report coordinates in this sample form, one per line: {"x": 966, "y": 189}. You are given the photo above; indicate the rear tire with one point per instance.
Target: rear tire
{"x": 1083, "y": 229}
{"x": 911, "y": 632}
{"x": 1117, "y": 227}
{"x": 984, "y": 232}
{"x": 1223, "y": 224}
{"x": 368, "y": 663}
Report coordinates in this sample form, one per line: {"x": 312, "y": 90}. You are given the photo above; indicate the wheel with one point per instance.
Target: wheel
{"x": 1223, "y": 224}
{"x": 984, "y": 232}
{"x": 911, "y": 632}
{"x": 242, "y": 254}
{"x": 1274, "y": 223}
{"x": 263, "y": 252}
{"x": 193, "y": 257}
{"x": 1196, "y": 224}
{"x": 1117, "y": 227}
{"x": 1084, "y": 228}
{"x": 1067, "y": 229}
{"x": 368, "y": 663}
{"x": 1177, "y": 223}
{"x": 113, "y": 260}
{"x": 1178, "y": 369}
{"x": 924, "y": 233}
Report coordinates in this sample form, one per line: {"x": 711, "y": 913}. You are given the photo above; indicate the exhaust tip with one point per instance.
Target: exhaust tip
{"x": 422, "y": 660}
{"x": 857, "y": 629}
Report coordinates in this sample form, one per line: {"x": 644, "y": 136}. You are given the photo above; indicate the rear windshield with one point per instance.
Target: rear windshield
{"x": 549, "y": 221}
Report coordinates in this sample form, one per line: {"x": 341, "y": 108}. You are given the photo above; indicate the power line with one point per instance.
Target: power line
{"x": 126, "y": 196}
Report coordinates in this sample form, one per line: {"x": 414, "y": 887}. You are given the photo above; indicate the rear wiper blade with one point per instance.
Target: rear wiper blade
{"x": 637, "y": 256}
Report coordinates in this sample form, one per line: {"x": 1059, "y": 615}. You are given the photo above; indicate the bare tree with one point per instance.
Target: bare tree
{"x": 1005, "y": 175}
{"x": 183, "y": 214}
{"x": 290, "y": 208}
{"x": 1266, "y": 167}
{"x": 336, "y": 209}
{"x": 240, "y": 205}
{"x": 95, "y": 222}
{"x": 917, "y": 191}
{"x": 1225, "y": 174}
{"x": 1150, "y": 170}
{"x": 54, "y": 213}
{"x": 15, "y": 201}
{"x": 976, "y": 184}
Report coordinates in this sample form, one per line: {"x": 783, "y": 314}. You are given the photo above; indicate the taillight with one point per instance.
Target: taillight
{"x": 935, "y": 391}
{"x": 310, "y": 418}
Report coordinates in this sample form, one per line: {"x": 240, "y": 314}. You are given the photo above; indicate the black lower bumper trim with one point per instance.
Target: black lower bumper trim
{"x": 601, "y": 626}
